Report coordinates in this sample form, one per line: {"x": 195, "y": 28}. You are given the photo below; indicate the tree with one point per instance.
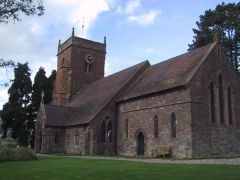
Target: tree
{"x": 225, "y": 22}
{"x": 38, "y": 88}
{"x": 48, "y": 89}
{"x": 17, "y": 112}
{"x": 12, "y": 9}
{"x": 6, "y": 65}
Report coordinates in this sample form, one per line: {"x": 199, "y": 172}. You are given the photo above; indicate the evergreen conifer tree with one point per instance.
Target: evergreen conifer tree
{"x": 225, "y": 21}
{"x": 17, "y": 112}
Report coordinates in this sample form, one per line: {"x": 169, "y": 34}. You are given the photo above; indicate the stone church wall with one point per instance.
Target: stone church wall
{"x": 75, "y": 140}
{"x": 215, "y": 139}
{"x": 52, "y": 140}
{"x": 140, "y": 114}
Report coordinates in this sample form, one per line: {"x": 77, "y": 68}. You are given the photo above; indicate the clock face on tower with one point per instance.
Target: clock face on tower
{"x": 89, "y": 59}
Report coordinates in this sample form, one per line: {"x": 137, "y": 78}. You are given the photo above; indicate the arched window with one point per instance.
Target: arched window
{"x": 212, "y": 102}
{"x": 230, "y": 105}
{"x": 88, "y": 67}
{"x": 221, "y": 99}
{"x": 77, "y": 138}
{"x": 67, "y": 139}
{"x": 126, "y": 128}
{"x": 56, "y": 138}
{"x": 173, "y": 125}
{"x": 156, "y": 127}
{"x": 109, "y": 132}
{"x": 62, "y": 63}
{"x": 103, "y": 132}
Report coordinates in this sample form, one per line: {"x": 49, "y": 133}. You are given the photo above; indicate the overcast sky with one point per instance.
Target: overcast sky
{"x": 136, "y": 30}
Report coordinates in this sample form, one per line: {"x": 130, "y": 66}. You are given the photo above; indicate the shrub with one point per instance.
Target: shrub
{"x": 16, "y": 154}
{"x": 5, "y": 154}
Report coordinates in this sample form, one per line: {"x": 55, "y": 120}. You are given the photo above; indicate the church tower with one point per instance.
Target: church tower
{"x": 79, "y": 62}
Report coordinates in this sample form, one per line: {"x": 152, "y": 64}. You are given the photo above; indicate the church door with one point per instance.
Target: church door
{"x": 140, "y": 144}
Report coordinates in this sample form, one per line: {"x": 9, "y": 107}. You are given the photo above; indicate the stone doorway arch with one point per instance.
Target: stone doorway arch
{"x": 140, "y": 143}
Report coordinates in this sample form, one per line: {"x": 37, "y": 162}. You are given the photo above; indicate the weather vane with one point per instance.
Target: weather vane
{"x": 82, "y": 26}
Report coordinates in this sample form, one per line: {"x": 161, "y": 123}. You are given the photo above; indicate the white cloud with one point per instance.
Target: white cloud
{"x": 144, "y": 18}
{"x": 87, "y": 9}
{"x": 137, "y": 14}
{"x": 37, "y": 29}
{"x": 131, "y": 6}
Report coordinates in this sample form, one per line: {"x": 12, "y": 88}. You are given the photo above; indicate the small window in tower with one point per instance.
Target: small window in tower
{"x": 87, "y": 67}
{"x": 62, "y": 63}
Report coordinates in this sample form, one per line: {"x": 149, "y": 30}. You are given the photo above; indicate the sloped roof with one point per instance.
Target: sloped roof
{"x": 56, "y": 115}
{"x": 168, "y": 74}
{"x": 91, "y": 99}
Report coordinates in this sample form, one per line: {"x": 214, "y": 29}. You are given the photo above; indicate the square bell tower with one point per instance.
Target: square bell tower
{"x": 79, "y": 62}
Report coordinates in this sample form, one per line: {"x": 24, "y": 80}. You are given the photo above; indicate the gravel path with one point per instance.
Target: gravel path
{"x": 227, "y": 161}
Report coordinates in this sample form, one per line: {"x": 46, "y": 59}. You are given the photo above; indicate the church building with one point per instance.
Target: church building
{"x": 189, "y": 103}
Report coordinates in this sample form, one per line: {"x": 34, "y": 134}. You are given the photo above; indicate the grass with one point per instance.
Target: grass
{"x": 77, "y": 168}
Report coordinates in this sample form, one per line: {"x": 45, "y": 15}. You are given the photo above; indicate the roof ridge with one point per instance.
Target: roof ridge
{"x": 186, "y": 53}
{"x": 138, "y": 79}
{"x": 212, "y": 46}
{"x": 143, "y": 62}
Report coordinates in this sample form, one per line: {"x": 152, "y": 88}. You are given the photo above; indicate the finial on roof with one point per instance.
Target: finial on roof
{"x": 105, "y": 40}
{"x": 82, "y": 26}
{"x": 73, "y": 31}
{"x": 59, "y": 43}
{"x": 42, "y": 96}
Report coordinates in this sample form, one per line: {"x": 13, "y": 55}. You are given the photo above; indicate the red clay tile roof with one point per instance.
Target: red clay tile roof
{"x": 94, "y": 97}
{"x": 56, "y": 115}
{"x": 91, "y": 99}
{"x": 174, "y": 72}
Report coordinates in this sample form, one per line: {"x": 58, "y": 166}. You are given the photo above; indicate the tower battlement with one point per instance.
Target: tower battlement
{"x": 83, "y": 43}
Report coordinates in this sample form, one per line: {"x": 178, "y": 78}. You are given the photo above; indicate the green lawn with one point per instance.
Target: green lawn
{"x": 75, "y": 168}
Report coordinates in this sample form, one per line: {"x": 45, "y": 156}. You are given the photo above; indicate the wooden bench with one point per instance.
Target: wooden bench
{"x": 162, "y": 151}
{"x": 165, "y": 150}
